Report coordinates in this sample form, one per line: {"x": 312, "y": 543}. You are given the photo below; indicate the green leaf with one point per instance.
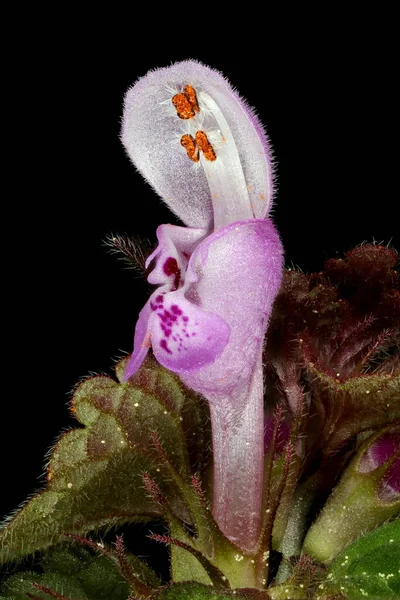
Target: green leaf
{"x": 99, "y": 573}
{"x": 95, "y": 473}
{"x": 370, "y": 567}
{"x": 355, "y": 405}
{"x": 199, "y": 591}
{"x": 62, "y": 587}
{"x": 95, "y": 573}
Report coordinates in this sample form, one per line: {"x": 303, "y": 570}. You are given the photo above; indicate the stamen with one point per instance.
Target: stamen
{"x": 186, "y": 103}
{"x": 191, "y": 95}
{"x": 205, "y": 146}
{"x": 188, "y": 142}
{"x": 228, "y": 187}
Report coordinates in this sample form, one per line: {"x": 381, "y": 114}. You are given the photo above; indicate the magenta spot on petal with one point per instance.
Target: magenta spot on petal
{"x": 176, "y": 310}
{"x": 164, "y": 346}
{"x": 187, "y": 335}
{"x": 186, "y": 319}
{"x": 193, "y": 334}
{"x": 166, "y": 331}
{"x": 170, "y": 267}
{"x": 159, "y": 299}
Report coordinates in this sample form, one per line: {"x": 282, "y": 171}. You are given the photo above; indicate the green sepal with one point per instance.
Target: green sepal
{"x": 95, "y": 473}
{"x": 353, "y": 509}
{"x": 368, "y": 568}
{"x": 199, "y": 591}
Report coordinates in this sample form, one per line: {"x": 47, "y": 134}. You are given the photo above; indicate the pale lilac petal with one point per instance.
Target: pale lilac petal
{"x": 183, "y": 336}
{"x": 249, "y": 256}
{"x": 142, "y": 341}
{"x": 238, "y": 451}
{"x": 152, "y": 131}
{"x": 175, "y": 246}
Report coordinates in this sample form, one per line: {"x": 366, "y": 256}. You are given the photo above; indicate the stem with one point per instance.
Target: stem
{"x": 238, "y": 445}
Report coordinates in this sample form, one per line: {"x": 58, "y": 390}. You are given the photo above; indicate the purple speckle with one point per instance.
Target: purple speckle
{"x": 186, "y": 319}
{"x": 166, "y": 330}
{"x": 176, "y": 310}
{"x": 170, "y": 268}
{"x": 158, "y": 301}
{"x": 164, "y": 346}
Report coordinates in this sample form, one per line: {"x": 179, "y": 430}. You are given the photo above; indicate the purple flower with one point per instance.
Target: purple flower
{"x": 385, "y": 450}
{"x": 204, "y": 151}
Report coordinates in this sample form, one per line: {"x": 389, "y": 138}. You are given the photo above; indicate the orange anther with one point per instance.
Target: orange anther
{"x": 191, "y": 95}
{"x": 189, "y": 144}
{"x": 183, "y": 107}
{"x": 186, "y": 103}
{"x": 205, "y": 146}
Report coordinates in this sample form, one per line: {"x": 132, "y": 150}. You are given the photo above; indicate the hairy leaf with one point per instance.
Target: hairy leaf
{"x": 95, "y": 474}
{"x": 370, "y": 567}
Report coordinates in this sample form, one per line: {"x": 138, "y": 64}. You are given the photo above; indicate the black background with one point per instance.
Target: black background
{"x": 330, "y": 107}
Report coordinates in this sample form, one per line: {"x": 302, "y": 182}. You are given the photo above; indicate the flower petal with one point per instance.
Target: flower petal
{"x": 183, "y": 336}
{"x": 152, "y": 133}
{"x": 142, "y": 341}
{"x": 236, "y": 273}
{"x": 175, "y": 246}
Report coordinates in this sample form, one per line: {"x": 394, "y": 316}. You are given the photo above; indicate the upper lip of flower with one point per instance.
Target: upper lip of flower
{"x": 199, "y": 144}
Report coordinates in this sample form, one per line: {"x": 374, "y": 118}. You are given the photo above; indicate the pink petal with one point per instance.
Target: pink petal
{"x": 184, "y": 337}
{"x": 142, "y": 341}
{"x": 174, "y": 244}
{"x": 379, "y": 452}
{"x": 151, "y": 133}
{"x": 236, "y": 273}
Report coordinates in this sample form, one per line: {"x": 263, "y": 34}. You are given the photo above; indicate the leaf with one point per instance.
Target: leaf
{"x": 24, "y": 585}
{"x": 199, "y": 591}
{"x": 95, "y": 473}
{"x": 370, "y": 567}
{"x": 102, "y": 572}
{"x": 94, "y": 572}
{"x": 353, "y": 406}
